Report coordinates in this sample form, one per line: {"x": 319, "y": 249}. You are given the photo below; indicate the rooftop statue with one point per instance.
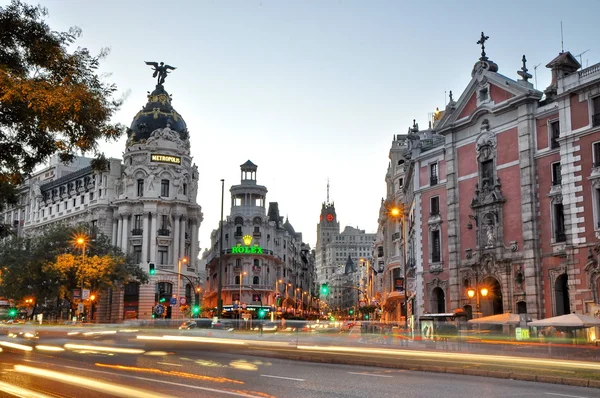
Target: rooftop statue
{"x": 160, "y": 70}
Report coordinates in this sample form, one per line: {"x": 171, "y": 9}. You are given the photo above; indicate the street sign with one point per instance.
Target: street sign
{"x": 245, "y": 316}
{"x": 173, "y": 301}
{"x": 86, "y": 294}
{"x": 244, "y": 306}
{"x": 80, "y": 307}
{"x": 362, "y": 304}
{"x": 182, "y": 301}
{"x": 76, "y": 294}
{"x": 159, "y": 310}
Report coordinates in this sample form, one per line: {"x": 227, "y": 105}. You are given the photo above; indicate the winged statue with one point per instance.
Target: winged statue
{"x": 160, "y": 70}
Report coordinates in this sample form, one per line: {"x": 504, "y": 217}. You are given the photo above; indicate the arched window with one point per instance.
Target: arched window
{"x": 237, "y": 279}
{"x": 561, "y": 295}
{"x": 255, "y": 280}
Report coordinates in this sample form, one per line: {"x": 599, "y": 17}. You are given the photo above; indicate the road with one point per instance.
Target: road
{"x": 110, "y": 365}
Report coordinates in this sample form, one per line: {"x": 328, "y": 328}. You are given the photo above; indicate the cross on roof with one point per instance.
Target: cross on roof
{"x": 523, "y": 72}
{"x": 482, "y": 41}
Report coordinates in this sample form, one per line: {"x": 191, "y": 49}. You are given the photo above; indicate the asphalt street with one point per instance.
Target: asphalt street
{"x": 103, "y": 365}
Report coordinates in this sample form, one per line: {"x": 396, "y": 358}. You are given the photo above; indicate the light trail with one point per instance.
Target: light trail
{"x": 115, "y": 350}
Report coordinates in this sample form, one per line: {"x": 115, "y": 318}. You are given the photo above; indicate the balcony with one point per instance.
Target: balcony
{"x": 164, "y": 232}
{"x": 137, "y": 232}
{"x": 238, "y": 234}
{"x": 596, "y": 120}
{"x": 433, "y": 180}
{"x": 256, "y": 234}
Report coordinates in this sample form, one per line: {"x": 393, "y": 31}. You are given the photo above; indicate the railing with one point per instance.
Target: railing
{"x": 433, "y": 180}
{"x": 137, "y": 231}
{"x": 256, "y": 233}
{"x": 591, "y": 70}
{"x": 164, "y": 232}
{"x": 596, "y": 120}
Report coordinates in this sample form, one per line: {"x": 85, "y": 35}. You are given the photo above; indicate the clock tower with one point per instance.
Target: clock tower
{"x": 327, "y": 229}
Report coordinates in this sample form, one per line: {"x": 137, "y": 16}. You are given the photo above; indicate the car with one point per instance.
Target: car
{"x": 222, "y": 324}
{"x": 267, "y": 327}
{"x": 24, "y": 334}
{"x": 200, "y": 323}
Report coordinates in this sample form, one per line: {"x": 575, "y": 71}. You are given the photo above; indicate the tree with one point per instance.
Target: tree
{"x": 51, "y": 101}
{"x": 49, "y": 265}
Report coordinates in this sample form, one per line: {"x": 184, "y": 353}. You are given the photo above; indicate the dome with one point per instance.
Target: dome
{"x": 288, "y": 227}
{"x": 157, "y": 114}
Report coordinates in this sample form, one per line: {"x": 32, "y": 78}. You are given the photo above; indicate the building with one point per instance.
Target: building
{"x": 265, "y": 262}
{"x": 500, "y": 192}
{"x": 146, "y": 204}
{"x": 343, "y": 261}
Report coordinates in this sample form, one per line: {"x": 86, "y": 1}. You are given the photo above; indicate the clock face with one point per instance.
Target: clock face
{"x": 329, "y": 217}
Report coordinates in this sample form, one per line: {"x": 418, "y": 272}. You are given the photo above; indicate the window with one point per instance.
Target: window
{"x": 256, "y": 280}
{"x": 137, "y": 254}
{"x": 238, "y": 262}
{"x": 596, "y": 153}
{"x": 556, "y": 176}
{"x": 435, "y": 206}
{"x": 163, "y": 221}
{"x": 238, "y": 231}
{"x": 256, "y": 262}
{"x": 91, "y": 196}
{"x": 163, "y": 254}
{"x": 597, "y": 205}
{"x": 82, "y": 200}
{"x": 137, "y": 225}
{"x": 237, "y": 280}
{"x": 596, "y": 111}
{"x": 140, "y": 187}
{"x": 554, "y": 133}
{"x": 65, "y": 206}
{"x": 184, "y": 188}
{"x": 74, "y": 202}
{"x": 487, "y": 172}
{"x": 559, "y": 223}
{"x": 400, "y": 183}
{"x": 164, "y": 188}
{"x": 436, "y": 250}
{"x": 433, "y": 174}
{"x": 483, "y": 94}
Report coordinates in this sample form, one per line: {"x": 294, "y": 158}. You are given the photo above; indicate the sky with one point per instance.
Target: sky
{"x": 312, "y": 90}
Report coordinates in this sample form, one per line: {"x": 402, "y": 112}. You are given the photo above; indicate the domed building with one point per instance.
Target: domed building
{"x": 146, "y": 204}
{"x": 265, "y": 264}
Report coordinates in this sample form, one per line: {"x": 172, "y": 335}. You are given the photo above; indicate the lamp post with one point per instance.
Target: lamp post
{"x": 398, "y": 213}
{"x": 277, "y": 282}
{"x": 81, "y": 240}
{"x": 242, "y": 273}
{"x": 183, "y": 260}
{"x": 477, "y": 292}
{"x": 220, "y": 270}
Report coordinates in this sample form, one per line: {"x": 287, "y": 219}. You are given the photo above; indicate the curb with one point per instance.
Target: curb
{"x": 439, "y": 369}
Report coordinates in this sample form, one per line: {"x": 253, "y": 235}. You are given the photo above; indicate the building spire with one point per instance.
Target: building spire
{"x": 482, "y": 41}
{"x": 328, "y": 190}
{"x": 523, "y": 72}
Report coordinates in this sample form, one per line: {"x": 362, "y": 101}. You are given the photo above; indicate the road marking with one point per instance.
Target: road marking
{"x": 563, "y": 395}
{"x": 368, "y": 374}
{"x": 21, "y": 392}
{"x": 281, "y": 377}
{"x": 169, "y": 364}
{"x": 237, "y": 394}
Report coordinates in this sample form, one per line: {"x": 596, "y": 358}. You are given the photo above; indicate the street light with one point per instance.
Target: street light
{"x": 277, "y": 282}
{"x": 181, "y": 260}
{"x": 472, "y": 292}
{"x": 397, "y": 212}
{"x": 81, "y": 240}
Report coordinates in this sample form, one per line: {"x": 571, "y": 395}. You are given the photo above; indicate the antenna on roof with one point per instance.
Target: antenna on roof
{"x": 562, "y": 46}
{"x": 579, "y": 55}
{"x": 328, "y": 190}
{"x": 535, "y": 73}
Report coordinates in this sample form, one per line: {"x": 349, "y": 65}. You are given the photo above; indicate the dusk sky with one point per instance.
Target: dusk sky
{"x": 315, "y": 89}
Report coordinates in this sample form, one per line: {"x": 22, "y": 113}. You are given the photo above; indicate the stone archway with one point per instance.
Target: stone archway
{"x": 562, "y": 304}
{"x": 438, "y": 301}
{"x": 491, "y": 304}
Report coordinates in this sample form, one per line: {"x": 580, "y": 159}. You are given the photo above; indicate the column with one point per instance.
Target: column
{"x": 119, "y": 230}
{"x": 153, "y": 232}
{"x": 145, "y": 237}
{"x": 194, "y": 242}
{"x": 125, "y": 233}
{"x": 176, "y": 237}
{"x": 182, "y": 240}
{"x": 113, "y": 238}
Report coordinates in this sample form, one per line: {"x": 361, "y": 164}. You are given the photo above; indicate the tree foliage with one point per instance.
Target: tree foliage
{"x": 50, "y": 265}
{"x": 52, "y": 101}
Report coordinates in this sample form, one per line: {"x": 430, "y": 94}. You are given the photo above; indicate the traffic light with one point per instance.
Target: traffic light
{"x": 196, "y": 310}
{"x": 261, "y": 313}
{"x": 324, "y": 289}
{"x": 162, "y": 300}
{"x": 152, "y": 270}
{"x": 12, "y": 312}
{"x": 351, "y": 312}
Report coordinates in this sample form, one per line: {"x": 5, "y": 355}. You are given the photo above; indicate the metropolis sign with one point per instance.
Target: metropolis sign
{"x": 165, "y": 159}
{"x": 239, "y": 249}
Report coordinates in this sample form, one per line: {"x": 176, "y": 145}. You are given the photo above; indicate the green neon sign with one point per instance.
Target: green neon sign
{"x": 246, "y": 250}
